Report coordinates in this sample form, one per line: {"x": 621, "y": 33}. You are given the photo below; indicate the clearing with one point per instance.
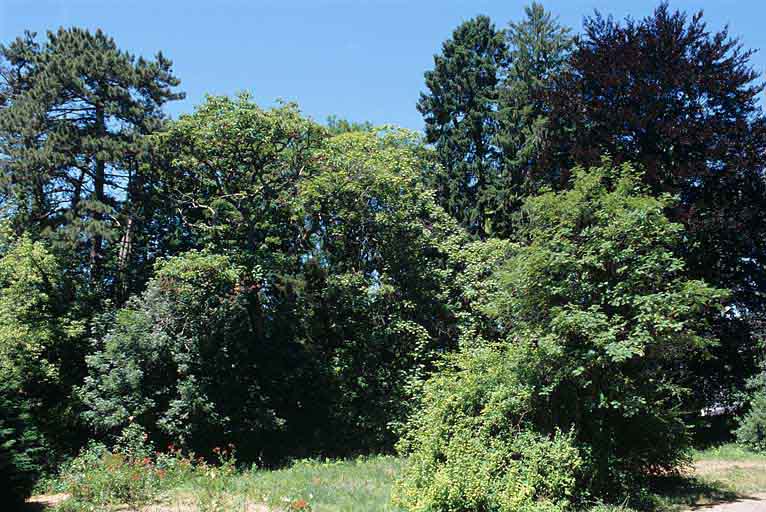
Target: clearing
{"x": 723, "y": 479}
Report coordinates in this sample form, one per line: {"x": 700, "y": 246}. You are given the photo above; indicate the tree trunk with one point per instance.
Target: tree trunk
{"x": 99, "y": 179}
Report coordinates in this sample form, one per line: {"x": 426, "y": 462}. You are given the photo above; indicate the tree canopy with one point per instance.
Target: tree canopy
{"x": 534, "y": 300}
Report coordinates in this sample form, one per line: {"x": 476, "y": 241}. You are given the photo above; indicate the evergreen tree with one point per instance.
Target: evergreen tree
{"x": 539, "y": 48}
{"x": 460, "y": 110}
{"x": 74, "y": 112}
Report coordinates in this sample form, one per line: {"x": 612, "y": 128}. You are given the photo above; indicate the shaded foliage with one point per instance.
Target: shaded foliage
{"x": 340, "y": 252}
{"x": 680, "y": 102}
{"x": 21, "y": 447}
{"x": 596, "y": 318}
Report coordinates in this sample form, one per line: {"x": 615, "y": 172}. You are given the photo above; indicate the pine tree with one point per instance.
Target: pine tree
{"x": 73, "y": 116}
{"x": 460, "y": 114}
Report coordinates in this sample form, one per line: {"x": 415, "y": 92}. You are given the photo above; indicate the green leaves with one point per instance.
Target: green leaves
{"x": 586, "y": 324}
{"x": 234, "y": 170}
{"x": 599, "y": 275}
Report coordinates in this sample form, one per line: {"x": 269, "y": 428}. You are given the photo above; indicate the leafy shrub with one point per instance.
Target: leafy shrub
{"x": 21, "y": 447}
{"x": 472, "y": 448}
{"x": 594, "y": 320}
{"x": 182, "y": 359}
{"x": 752, "y": 426}
{"x": 125, "y": 475}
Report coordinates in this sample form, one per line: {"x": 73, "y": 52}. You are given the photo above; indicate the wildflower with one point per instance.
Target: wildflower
{"x": 300, "y": 505}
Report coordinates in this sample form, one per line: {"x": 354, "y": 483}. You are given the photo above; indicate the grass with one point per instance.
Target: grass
{"x": 728, "y": 452}
{"x": 722, "y": 473}
{"x": 326, "y": 486}
{"x": 733, "y": 468}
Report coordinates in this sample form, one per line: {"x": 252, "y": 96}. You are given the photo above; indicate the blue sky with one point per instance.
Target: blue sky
{"x": 358, "y": 59}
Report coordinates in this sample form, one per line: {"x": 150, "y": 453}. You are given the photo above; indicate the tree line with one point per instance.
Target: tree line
{"x": 545, "y": 288}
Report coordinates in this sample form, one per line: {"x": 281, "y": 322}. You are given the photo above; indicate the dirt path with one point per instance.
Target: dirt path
{"x": 754, "y": 503}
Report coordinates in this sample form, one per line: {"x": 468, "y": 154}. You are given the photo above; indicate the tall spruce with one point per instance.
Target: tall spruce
{"x": 538, "y": 49}
{"x": 73, "y": 114}
{"x": 460, "y": 110}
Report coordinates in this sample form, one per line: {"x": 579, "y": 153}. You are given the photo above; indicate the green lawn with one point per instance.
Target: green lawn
{"x": 721, "y": 474}
{"x": 329, "y": 486}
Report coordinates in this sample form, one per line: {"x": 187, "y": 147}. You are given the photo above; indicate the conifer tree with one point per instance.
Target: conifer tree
{"x": 73, "y": 114}
{"x": 538, "y": 49}
{"x": 460, "y": 115}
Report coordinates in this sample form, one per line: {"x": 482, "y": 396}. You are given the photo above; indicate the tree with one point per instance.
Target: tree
{"x": 376, "y": 278}
{"x": 538, "y": 51}
{"x": 337, "y": 126}
{"x": 598, "y": 321}
{"x": 460, "y": 111}
{"x": 682, "y": 104}
{"x": 232, "y": 172}
{"x": 183, "y": 360}
{"x": 41, "y": 337}
{"x": 76, "y": 110}
{"x": 342, "y": 260}
{"x": 21, "y": 447}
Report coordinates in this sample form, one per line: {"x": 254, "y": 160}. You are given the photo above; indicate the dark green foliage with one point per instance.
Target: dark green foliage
{"x": 459, "y": 110}
{"x": 596, "y": 321}
{"x": 681, "y": 102}
{"x": 538, "y": 52}
{"x": 340, "y": 304}
{"x": 71, "y": 133}
{"x": 487, "y": 115}
{"x": 752, "y": 425}
{"x": 183, "y": 361}
{"x": 21, "y": 448}
{"x": 376, "y": 277}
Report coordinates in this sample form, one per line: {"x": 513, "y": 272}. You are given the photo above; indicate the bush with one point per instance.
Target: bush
{"x": 594, "y": 324}
{"x": 471, "y": 447}
{"x": 125, "y": 475}
{"x": 183, "y": 361}
{"x": 131, "y": 473}
{"x": 752, "y": 426}
{"x": 21, "y": 448}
